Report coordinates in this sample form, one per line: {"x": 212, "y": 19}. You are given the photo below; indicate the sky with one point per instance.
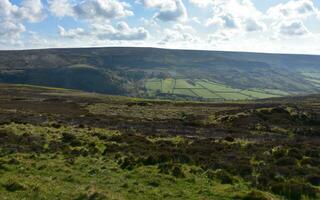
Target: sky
{"x": 275, "y": 26}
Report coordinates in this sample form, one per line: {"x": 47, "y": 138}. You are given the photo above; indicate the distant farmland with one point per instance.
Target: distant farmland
{"x": 202, "y": 88}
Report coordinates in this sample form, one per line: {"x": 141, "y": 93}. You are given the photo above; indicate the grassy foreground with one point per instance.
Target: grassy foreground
{"x": 63, "y": 144}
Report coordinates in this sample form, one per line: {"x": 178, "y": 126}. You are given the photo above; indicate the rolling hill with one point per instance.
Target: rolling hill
{"x": 164, "y": 73}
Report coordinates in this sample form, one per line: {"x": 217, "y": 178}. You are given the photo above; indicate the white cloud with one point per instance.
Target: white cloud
{"x": 293, "y": 9}
{"x": 12, "y": 17}
{"x": 236, "y": 14}
{"x": 183, "y": 28}
{"x": 91, "y": 9}
{"x": 169, "y": 10}
{"x": 121, "y": 32}
{"x": 201, "y": 3}
{"x": 173, "y": 36}
{"x": 32, "y": 10}
{"x": 60, "y": 8}
{"x": 11, "y": 30}
{"x": 71, "y": 33}
{"x": 293, "y": 28}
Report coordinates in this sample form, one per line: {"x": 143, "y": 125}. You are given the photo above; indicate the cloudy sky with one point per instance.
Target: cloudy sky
{"x": 291, "y": 26}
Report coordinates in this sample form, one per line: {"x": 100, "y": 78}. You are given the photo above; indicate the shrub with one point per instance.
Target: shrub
{"x": 92, "y": 196}
{"x": 286, "y": 161}
{"x": 229, "y": 139}
{"x": 253, "y": 195}
{"x": 165, "y": 168}
{"x": 177, "y": 172}
{"x": 223, "y": 176}
{"x": 294, "y": 190}
{"x": 70, "y": 139}
{"x": 13, "y": 186}
{"x": 314, "y": 179}
{"x": 127, "y": 163}
{"x": 295, "y": 153}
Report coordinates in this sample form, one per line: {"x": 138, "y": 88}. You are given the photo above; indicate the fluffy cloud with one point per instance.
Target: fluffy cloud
{"x": 293, "y": 9}
{"x": 12, "y": 17}
{"x": 179, "y": 33}
{"x": 30, "y": 10}
{"x": 71, "y": 33}
{"x": 10, "y": 29}
{"x": 121, "y": 32}
{"x": 169, "y": 10}
{"x": 201, "y": 3}
{"x": 293, "y": 28}
{"x": 236, "y": 14}
{"x": 91, "y": 9}
{"x": 60, "y": 8}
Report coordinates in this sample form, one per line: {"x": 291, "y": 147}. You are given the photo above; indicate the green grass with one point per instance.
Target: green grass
{"x": 153, "y": 85}
{"x": 183, "y": 83}
{"x": 206, "y": 94}
{"x": 58, "y": 175}
{"x": 233, "y": 96}
{"x": 216, "y": 87}
{"x": 186, "y": 92}
{"x": 167, "y": 85}
{"x": 208, "y": 90}
{"x": 258, "y": 95}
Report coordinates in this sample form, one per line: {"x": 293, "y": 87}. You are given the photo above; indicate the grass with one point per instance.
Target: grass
{"x": 207, "y": 90}
{"x": 167, "y": 85}
{"x": 58, "y": 175}
{"x": 187, "y": 92}
{"x": 184, "y": 84}
{"x": 153, "y": 85}
{"x": 205, "y": 93}
{"x": 258, "y": 95}
{"x": 216, "y": 87}
{"x": 234, "y": 96}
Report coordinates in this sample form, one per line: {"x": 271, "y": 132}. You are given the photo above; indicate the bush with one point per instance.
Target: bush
{"x": 229, "y": 139}
{"x": 13, "y": 186}
{"x": 253, "y": 195}
{"x": 92, "y": 196}
{"x": 314, "y": 179}
{"x": 295, "y": 153}
{"x": 223, "y": 176}
{"x": 127, "y": 163}
{"x": 286, "y": 161}
{"x": 177, "y": 172}
{"x": 70, "y": 139}
{"x": 294, "y": 190}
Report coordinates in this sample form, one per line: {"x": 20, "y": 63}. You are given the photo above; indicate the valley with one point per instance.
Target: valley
{"x": 165, "y": 73}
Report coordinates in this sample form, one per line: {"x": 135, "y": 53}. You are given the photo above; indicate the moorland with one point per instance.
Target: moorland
{"x": 67, "y": 144}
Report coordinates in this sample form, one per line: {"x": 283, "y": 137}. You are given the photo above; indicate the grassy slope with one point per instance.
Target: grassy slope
{"x": 64, "y": 144}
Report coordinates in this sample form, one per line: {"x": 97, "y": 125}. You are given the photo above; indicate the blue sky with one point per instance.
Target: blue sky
{"x": 286, "y": 26}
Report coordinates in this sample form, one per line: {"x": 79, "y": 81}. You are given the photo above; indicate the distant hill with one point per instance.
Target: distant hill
{"x": 163, "y": 73}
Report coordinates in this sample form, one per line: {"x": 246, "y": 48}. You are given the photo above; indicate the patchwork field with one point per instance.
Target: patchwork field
{"x": 205, "y": 89}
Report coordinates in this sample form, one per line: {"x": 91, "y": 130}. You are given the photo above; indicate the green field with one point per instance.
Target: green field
{"x": 168, "y": 85}
{"x": 183, "y": 83}
{"x": 206, "y": 89}
{"x": 205, "y": 93}
{"x": 187, "y": 92}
